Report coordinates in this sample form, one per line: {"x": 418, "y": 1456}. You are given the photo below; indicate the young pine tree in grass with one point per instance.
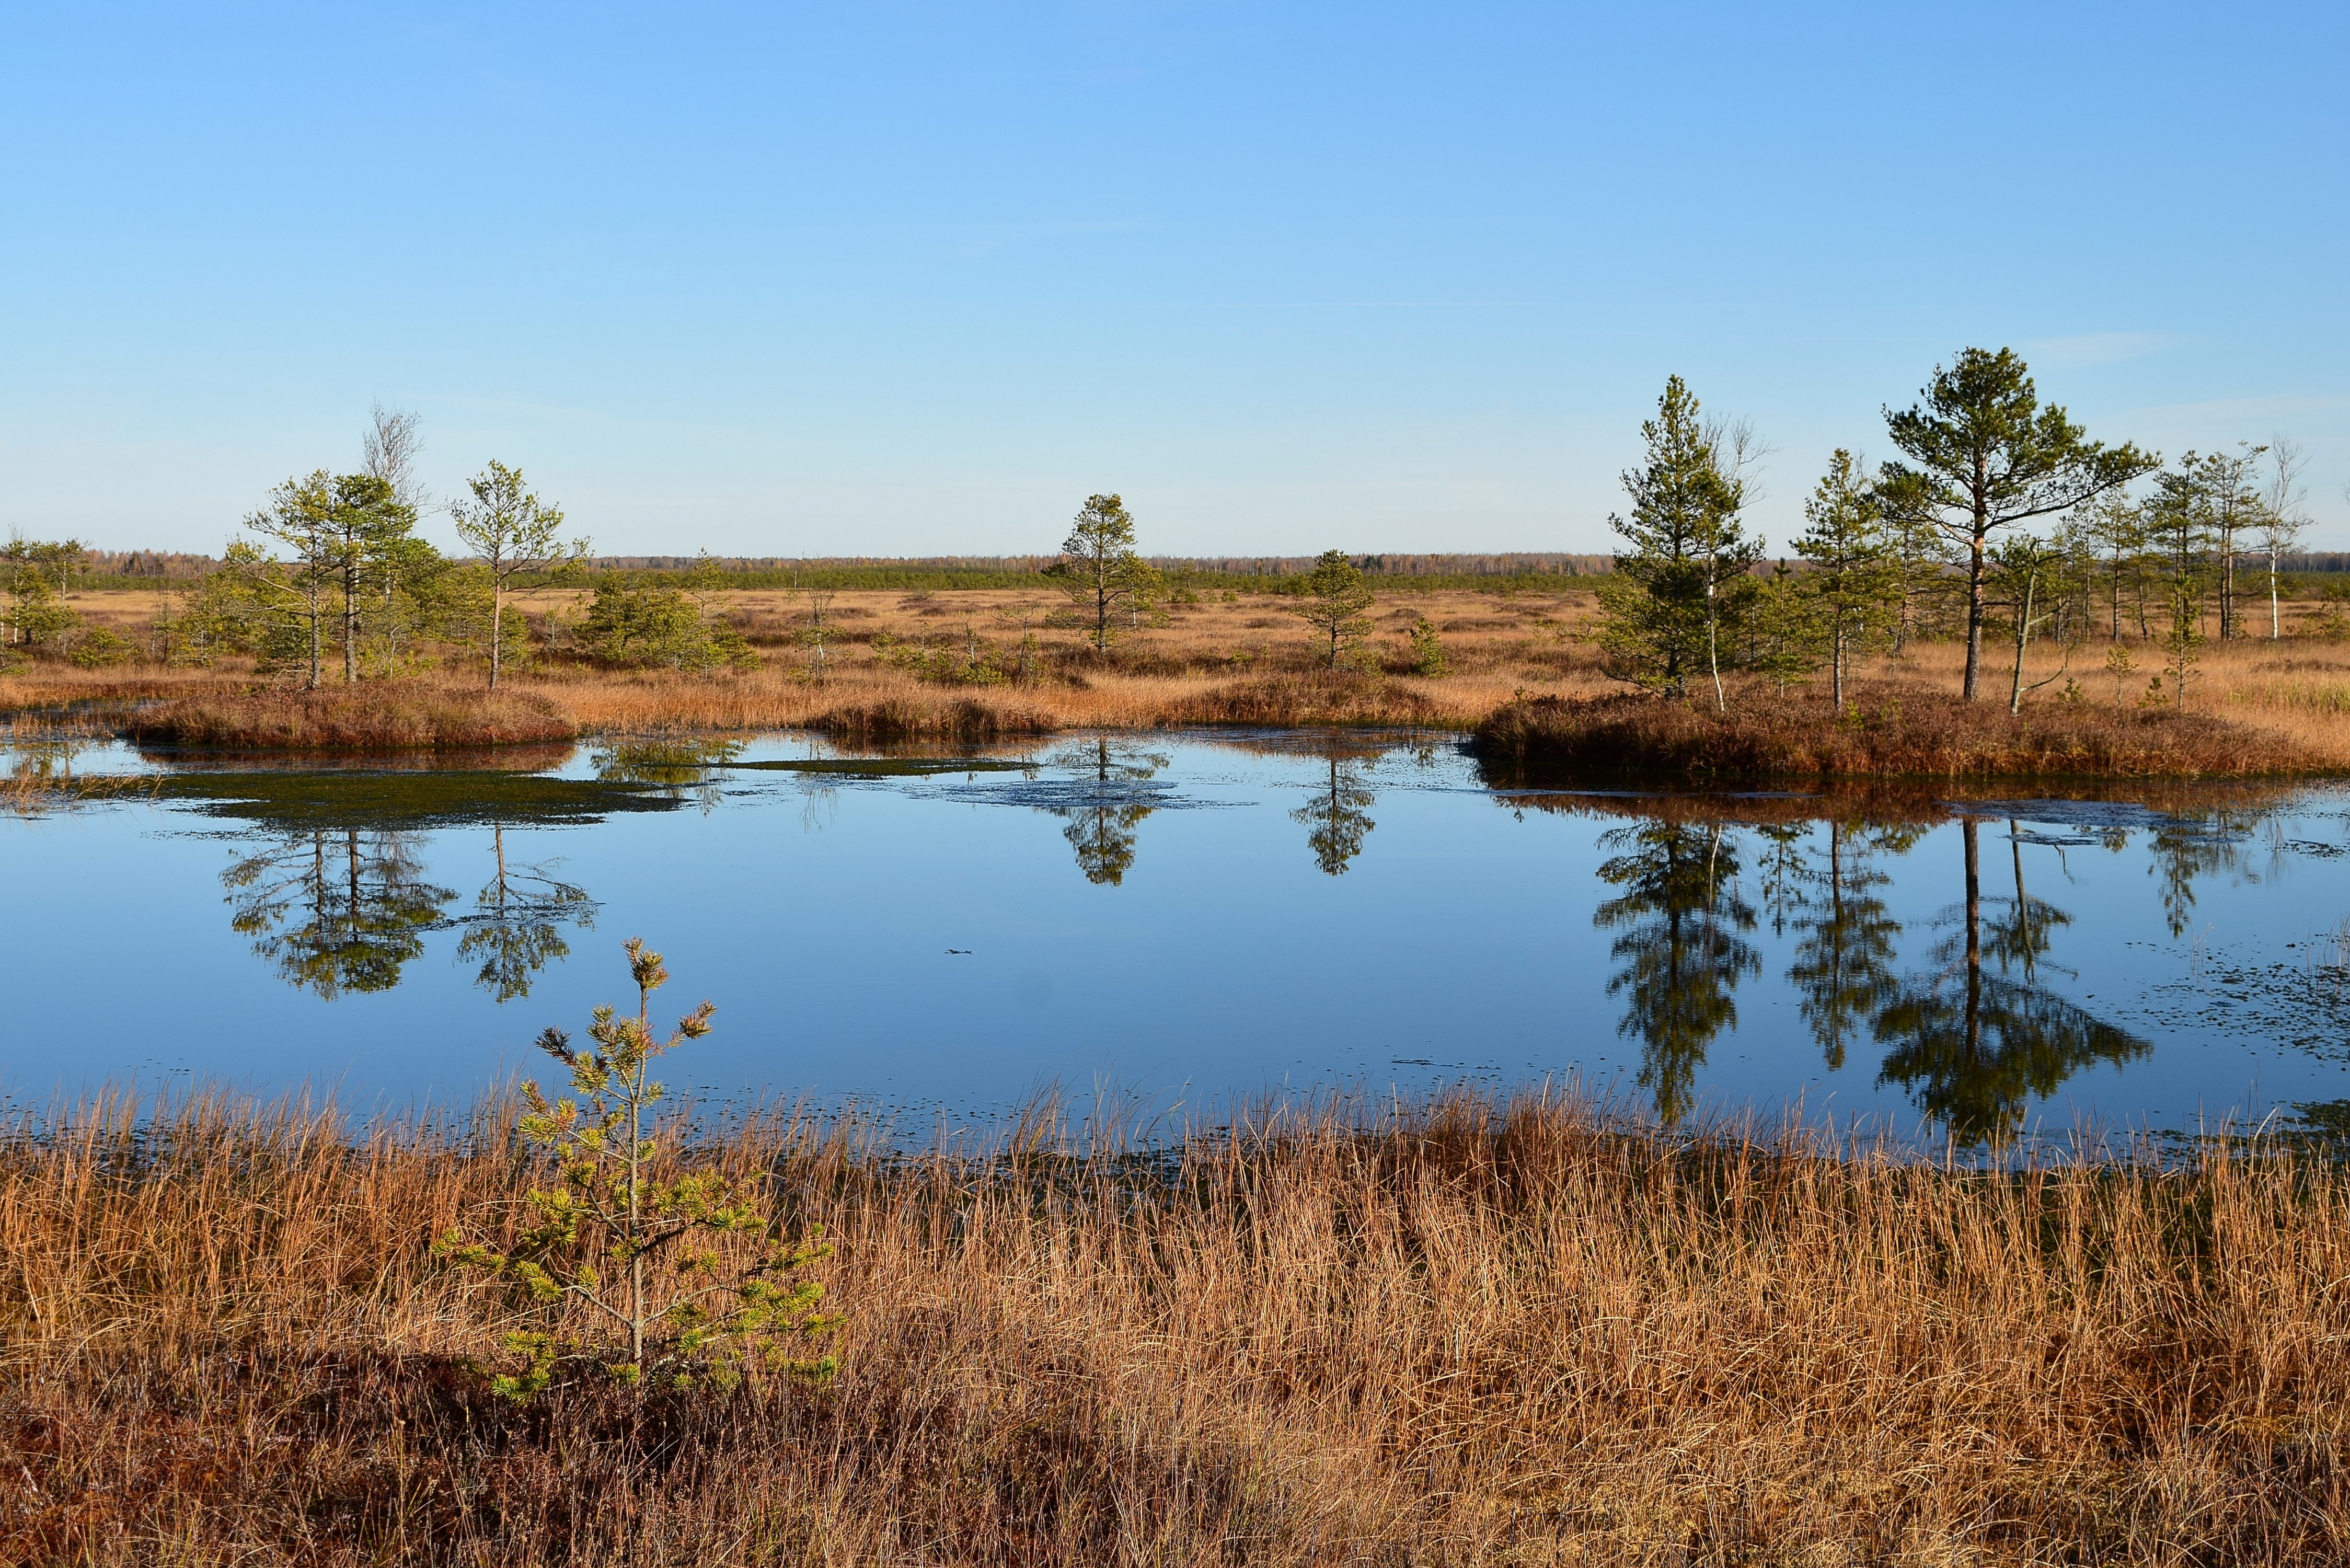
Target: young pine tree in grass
{"x": 1428, "y": 648}
{"x": 636, "y": 1248}
{"x": 1101, "y": 571}
{"x": 1336, "y": 597}
{"x": 1854, "y": 577}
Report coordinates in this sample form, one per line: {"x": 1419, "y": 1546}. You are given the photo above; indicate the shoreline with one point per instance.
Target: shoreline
{"x": 1892, "y": 736}
{"x": 970, "y": 665}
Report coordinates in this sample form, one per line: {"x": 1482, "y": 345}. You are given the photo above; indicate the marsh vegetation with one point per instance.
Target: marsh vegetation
{"x": 1450, "y": 1330}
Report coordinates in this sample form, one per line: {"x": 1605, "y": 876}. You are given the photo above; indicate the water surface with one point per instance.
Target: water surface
{"x": 1187, "y": 919}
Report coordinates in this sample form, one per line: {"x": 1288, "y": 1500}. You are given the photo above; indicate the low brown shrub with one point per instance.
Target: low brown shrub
{"x": 1306, "y": 697}
{"x": 963, "y": 719}
{"x": 375, "y": 716}
{"x": 1887, "y": 731}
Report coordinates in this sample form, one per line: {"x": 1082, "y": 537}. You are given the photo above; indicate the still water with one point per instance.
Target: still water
{"x": 1185, "y": 920}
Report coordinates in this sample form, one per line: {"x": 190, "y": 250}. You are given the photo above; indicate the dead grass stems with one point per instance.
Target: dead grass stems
{"x": 1458, "y": 1330}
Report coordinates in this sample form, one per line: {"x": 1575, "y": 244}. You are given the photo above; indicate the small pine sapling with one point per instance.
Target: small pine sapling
{"x": 671, "y": 1309}
{"x": 2118, "y": 666}
{"x": 1428, "y": 648}
{"x": 2182, "y": 649}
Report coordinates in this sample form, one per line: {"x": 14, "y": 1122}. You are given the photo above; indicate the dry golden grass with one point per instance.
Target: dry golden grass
{"x": 1460, "y": 1332}
{"x": 2295, "y": 691}
{"x": 1242, "y": 662}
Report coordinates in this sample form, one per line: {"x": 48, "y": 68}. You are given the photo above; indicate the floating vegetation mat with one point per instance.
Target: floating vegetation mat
{"x": 297, "y": 801}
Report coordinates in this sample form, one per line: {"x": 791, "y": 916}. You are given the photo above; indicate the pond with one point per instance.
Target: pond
{"x": 1183, "y": 921}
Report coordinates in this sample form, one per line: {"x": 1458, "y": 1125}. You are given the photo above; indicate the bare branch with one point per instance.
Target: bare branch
{"x": 394, "y": 437}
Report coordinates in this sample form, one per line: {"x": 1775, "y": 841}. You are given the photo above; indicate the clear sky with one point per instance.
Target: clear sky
{"x": 894, "y": 279}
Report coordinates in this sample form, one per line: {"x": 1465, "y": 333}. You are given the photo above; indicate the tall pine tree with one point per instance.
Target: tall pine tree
{"x": 1673, "y": 601}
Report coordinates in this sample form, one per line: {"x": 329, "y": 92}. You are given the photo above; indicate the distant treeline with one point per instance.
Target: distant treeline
{"x": 138, "y": 568}
{"x": 922, "y": 574}
{"x": 122, "y": 569}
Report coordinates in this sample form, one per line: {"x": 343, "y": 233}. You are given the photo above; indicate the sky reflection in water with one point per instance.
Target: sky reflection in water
{"x": 1186, "y": 918}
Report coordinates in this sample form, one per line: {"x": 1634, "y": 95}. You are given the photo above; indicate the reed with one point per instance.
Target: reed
{"x": 1458, "y": 1331}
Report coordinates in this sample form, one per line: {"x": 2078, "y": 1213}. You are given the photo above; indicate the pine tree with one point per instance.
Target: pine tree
{"x": 1985, "y": 454}
{"x": 1336, "y": 597}
{"x": 1684, "y": 579}
{"x": 301, "y": 516}
{"x": 366, "y": 525}
{"x": 1855, "y": 575}
{"x": 640, "y": 1249}
{"x": 1100, "y": 568}
{"x": 511, "y": 530}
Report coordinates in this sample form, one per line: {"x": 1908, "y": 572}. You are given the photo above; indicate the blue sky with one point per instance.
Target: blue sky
{"x": 902, "y": 279}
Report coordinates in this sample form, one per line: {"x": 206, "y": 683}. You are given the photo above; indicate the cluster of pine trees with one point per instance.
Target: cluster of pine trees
{"x": 34, "y": 576}
{"x": 332, "y": 578}
{"x": 1998, "y": 518}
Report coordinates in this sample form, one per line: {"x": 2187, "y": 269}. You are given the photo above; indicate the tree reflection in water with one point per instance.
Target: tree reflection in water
{"x": 1680, "y": 953}
{"x": 517, "y": 929}
{"x": 1843, "y": 972}
{"x": 1339, "y": 816}
{"x": 2182, "y": 848}
{"x": 1101, "y": 830}
{"x": 334, "y": 911}
{"x": 681, "y": 768}
{"x": 1973, "y": 1047}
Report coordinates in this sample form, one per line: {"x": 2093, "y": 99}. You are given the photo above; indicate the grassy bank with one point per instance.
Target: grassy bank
{"x": 891, "y": 672}
{"x": 1458, "y": 1333}
{"x": 1885, "y": 732}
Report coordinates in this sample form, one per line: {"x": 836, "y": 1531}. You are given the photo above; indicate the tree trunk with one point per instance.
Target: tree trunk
{"x": 1713, "y": 642}
{"x": 637, "y": 1263}
{"x": 497, "y": 628}
{"x": 350, "y": 628}
{"x": 2227, "y": 582}
{"x": 2022, "y": 637}
{"x": 1974, "y": 614}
